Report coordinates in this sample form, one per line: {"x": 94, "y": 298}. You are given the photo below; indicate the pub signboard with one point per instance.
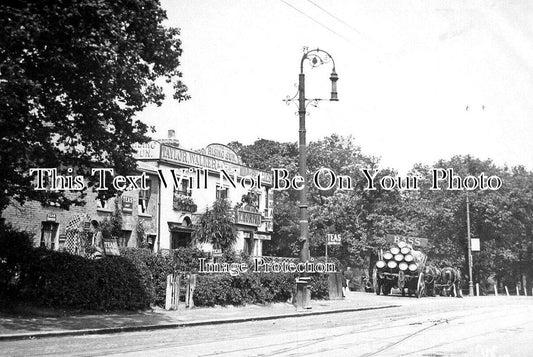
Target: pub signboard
{"x": 247, "y": 218}
{"x": 414, "y": 241}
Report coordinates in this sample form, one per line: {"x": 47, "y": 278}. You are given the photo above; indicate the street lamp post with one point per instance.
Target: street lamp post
{"x": 316, "y": 58}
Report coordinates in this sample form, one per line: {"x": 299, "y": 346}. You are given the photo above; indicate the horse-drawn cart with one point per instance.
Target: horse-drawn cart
{"x": 401, "y": 268}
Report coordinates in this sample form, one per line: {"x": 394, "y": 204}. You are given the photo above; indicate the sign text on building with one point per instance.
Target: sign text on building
{"x": 248, "y": 218}
{"x": 222, "y": 152}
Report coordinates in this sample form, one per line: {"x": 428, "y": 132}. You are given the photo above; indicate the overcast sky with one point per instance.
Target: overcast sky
{"x": 408, "y": 71}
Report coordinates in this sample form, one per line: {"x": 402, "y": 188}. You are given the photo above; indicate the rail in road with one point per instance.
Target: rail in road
{"x": 425, "y": 327}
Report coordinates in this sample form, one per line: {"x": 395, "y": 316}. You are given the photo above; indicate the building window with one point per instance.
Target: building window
{"x": 144, "y": 197}
{"x": 248, "y": 247}
{"x": 48, "y": 235}
{"x": 180, "y": 240}
{"x": 124, "y": 238}
{"x": 102, "y": 204}
{"x": 150, "y": 239}
{"x": 184, "y": 188}
{"x": 222, "y": 192}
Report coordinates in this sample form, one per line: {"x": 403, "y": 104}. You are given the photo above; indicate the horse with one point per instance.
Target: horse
{"x": 450, "y": 280}
{"x": 431, "y": 277}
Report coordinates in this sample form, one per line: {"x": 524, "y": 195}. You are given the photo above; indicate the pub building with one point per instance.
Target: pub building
{"x": 59, "y": 229}
{"x": 163, "y": 216}
{"x": 190, "y": 181}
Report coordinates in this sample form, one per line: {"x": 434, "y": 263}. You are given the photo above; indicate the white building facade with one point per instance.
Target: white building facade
{"x": 191, "y": 181}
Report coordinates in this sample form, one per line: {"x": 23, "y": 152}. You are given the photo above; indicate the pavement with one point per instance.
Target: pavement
{"x": 17, "y": 327}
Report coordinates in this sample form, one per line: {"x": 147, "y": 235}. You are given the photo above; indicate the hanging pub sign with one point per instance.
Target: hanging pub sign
{"x": 247, "y": 218}
{"x": 333, "y": 239}
{"x": 127, "y": 204}
{"x": 414, "y": 241}
{"x": 110, "y": 247}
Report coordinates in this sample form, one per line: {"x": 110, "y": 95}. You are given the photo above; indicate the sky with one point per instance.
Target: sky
{"x": 419, "y": 81}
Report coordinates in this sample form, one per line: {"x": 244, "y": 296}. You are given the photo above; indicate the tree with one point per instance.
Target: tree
{"x": 216, "y": 225}
{"x": 72, "y": 76}
{"x": 501, "y": 219}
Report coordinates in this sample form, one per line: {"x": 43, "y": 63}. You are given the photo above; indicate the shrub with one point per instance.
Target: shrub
{"x": 247, "y": 288}
{"x": 212, "y": 289}
{"x": 54, "y": 279}
{"x": 16, "y": 249}
{"x": 62, "y": 280}
{"x": 187, "y": 259}
{"x": 158, "y": 265}
{"x": 319, "y": 286}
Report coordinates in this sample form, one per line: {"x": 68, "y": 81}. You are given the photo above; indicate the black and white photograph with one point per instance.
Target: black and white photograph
{"x": 266, "y": 178}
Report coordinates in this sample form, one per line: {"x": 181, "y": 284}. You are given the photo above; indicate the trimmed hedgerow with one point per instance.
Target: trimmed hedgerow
{"x": 61, "y": 280}
{"x": 131, "y": 281}
{"x": 161, "y": 265}
{"x": 252, "y": 288}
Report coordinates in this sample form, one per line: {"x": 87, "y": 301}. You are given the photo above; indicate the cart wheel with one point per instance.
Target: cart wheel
{"x": 421, "y": 286}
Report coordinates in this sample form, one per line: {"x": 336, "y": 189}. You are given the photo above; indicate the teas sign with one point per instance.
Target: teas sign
{"x": 111, "y": 247}
{"x": 334, "y": 239}
{"x": 217, "y": 253}
{"x": 127, "y": 204}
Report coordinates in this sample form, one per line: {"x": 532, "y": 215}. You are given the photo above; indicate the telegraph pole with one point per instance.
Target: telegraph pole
{"x": 470, "y": 283}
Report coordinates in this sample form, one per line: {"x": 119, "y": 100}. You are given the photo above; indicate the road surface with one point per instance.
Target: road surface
{"x": 483, "y": 326}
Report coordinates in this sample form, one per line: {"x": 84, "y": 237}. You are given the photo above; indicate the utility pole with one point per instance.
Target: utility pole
{"x": 470, "y": 283}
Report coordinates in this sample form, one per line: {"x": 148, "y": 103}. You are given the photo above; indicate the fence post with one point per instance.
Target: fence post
{"x": 517, "y": 291}
{"x": 506, "y": 290}
{"x": 191, "y": 285}
{"x": 477, "y": 289}
{"x": 168, "y": 295}
{"x": 176, "y": 292}
{"x": 525, "y": 290}
{"x": 495, "y": 290}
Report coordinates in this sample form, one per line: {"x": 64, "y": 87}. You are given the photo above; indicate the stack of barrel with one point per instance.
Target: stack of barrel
{"x": 400, "y": 257}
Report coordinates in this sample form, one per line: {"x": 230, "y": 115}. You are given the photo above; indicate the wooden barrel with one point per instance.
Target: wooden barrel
{"x": 398, "y": 257}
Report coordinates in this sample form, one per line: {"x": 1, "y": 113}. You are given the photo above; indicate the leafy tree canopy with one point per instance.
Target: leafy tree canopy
{"x": 72, "y": 76}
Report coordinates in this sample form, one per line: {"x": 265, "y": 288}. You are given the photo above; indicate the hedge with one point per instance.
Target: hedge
{"x": 131, "y": 281}
{"x": 252, "y": 288}
{"x": 160, "y": 265}
{"x": 61, "y": 280}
